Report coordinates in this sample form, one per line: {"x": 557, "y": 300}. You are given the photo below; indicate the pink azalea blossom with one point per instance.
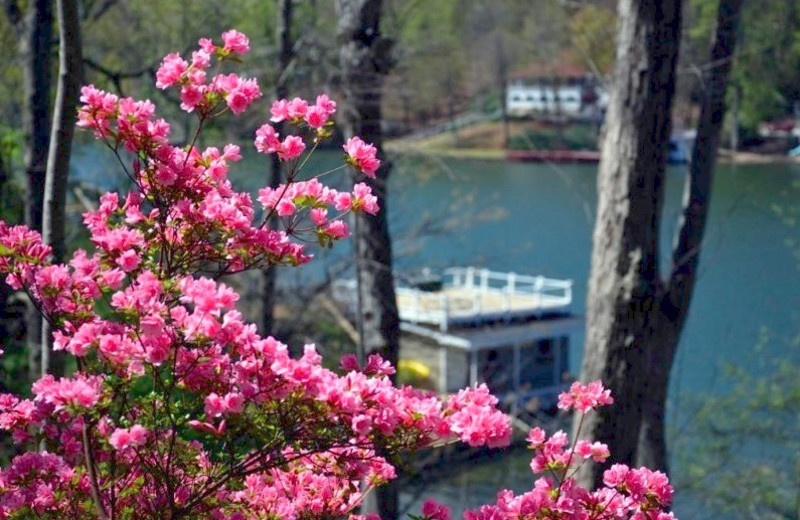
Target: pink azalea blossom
{"x": 362, "y": 156}
{"x": 235, "y": 42}
{"x": 585, "y": 397}
{"x": 433, "y": 510}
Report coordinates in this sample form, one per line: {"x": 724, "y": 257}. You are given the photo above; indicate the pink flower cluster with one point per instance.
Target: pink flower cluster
{"x": 268, "y": 141}
{"x": 197, "y": 93}
{"x": 124, "y": 438}
{"x": 362, "y": 156}
{"x": 299, "y": 110}
{"x": 432, "y": 510}
{"x": 44, "y": 484}
{"x": 585, "y": 397}
{"x": 81, "y": 391}
{"x": 475, "y": 419}
{"x": 635, "y": 494}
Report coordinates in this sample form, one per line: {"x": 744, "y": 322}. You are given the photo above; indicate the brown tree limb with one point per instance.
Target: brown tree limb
{"x": 697, "y": 190}
{"x": 116, "y": 76}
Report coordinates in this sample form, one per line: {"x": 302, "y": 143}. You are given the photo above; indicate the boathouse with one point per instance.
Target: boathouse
{"x": 471, "y": 326}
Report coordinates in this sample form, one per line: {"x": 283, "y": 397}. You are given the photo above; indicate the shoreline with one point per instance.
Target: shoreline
{"x": 725, "y": 156}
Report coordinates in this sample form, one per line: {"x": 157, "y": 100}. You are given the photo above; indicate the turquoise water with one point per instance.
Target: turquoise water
{"x": 537, "y": 219}
{"x": 748, "y": 283}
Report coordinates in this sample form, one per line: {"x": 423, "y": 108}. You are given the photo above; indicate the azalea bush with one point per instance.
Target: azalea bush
{"x": 178, "y": 408}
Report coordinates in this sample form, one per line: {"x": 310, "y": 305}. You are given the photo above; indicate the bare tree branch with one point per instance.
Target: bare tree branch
{"x": 116, "y": 76}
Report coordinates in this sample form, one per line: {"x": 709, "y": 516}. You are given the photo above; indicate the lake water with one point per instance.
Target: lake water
{"x": 749, "y": 275}
{"x": 537, "y": 219}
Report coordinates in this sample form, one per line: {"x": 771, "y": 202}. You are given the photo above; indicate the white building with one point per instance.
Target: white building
{"x": 572, "y": 97}
{"x": 525, "y": 100}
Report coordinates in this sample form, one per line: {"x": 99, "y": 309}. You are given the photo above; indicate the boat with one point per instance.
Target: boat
{"x": 472, "y": 326}
{"x": 554, "y": 156}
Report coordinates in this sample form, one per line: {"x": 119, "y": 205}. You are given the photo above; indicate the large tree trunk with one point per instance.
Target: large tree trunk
{"x": 688, "y": 241}
{"x": 624, "y": 283}
{"x": 634, "y": 318}
{"x": 70, "y": 78}
{"x": 365, "y": 61}
{"x": 33, "y": 29}
{"x": 285, "y": 43}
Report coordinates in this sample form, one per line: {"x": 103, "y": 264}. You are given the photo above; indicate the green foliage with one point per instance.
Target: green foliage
{"x": 11, "y": 191}
{"x": 746, "y": 461}
{"x": 593, "y": 30}
{"x": 767, "y": 66}
{"x": 570, "y": 137}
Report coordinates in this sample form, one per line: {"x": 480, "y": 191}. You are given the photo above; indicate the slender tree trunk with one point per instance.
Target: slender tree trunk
{"x": 689, "y": 239}
{"x": 624, "y": 283}
{"x": 283, "y": 36}
{"x": 365, "y": 61}
{"x": 502, "y": 83}
{"x": 5, "y": 290}
{"x": 36, "y": 40}
{"x": 70, "y": 78}
{"x": 33, "y": 28}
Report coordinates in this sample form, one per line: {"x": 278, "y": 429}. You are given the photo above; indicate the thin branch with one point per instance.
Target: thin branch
{"x": 90, "y": 467}
{"x": 92, "y": 14}
{"x": 116, "y": 76}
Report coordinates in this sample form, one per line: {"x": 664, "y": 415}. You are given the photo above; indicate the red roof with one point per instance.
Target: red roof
{"x": 563, "y": 66}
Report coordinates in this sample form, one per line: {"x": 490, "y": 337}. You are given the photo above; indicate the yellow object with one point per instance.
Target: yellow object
{"x": 415, "y": 367}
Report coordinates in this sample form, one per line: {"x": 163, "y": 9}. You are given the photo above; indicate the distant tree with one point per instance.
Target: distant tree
{"x": 33, "y": 28}
{"x": 70, "y": 78}
{"x": 365, "y": 59}
{"x": 592, "y": 31}
{"x": 634, "y": 317}
{"x": 767, "y": 70}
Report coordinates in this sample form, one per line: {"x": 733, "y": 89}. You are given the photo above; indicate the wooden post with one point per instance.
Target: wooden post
{"x": 444, "y": 305}
{"x": 473, "y": 367}
{"x": 443, "y": 370}
{"x": 517, "y": 372}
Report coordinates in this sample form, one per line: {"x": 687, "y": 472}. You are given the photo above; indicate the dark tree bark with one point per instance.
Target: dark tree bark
{"x": 365, "y": 59}
{"x": 33, "y": 29}
{"x": 634, "y": 316}
{"x": 285, "y": 43}
{"x": 685, "y": 260}
{"x": 5, "y": 290}
{"x": 70, "y": 78}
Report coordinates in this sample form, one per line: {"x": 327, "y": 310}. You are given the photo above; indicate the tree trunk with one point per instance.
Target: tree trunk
{"x": 33, "y": 29}
{"x": 624, "y": 283}
{"x": 35, "y": 46}
{"x": 70, "y": 78}
{"x": 689, "y": 239}
{"x": 283, "y": 37}
{"x": 365, "y": 61}
{"x": 634, "y": 318}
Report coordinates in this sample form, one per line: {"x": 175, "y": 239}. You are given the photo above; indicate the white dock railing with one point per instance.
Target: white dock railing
{"x": 471, "y": 295}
